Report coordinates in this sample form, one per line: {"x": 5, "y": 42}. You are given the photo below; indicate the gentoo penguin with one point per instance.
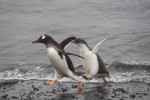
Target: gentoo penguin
{"x": 59, "y": 59}
{"x": 92, "y": 61}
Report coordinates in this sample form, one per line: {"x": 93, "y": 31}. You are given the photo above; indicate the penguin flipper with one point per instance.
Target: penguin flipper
{"x": 65, "y": 42}
{"x": 96, "y": 48}
{"x": 70, "y": 64}
{"x": 68, "y": 53}
{"x": 60, "y": 54}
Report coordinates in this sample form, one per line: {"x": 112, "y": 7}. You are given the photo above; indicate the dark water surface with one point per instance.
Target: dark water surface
{"x": 124, "y": 23}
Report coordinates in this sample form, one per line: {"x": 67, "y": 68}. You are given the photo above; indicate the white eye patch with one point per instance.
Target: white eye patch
{"x": 43, "y": 37}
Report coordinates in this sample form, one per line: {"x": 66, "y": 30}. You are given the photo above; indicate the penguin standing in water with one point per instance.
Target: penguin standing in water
{"x": 59, "y": 59}
{"x": 92, "y": 62}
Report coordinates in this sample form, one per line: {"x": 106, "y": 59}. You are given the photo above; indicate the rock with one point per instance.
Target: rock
{"x": 132, "y": 96}
{"x": 14, "y": 97}
{"x": 5, "y": 96}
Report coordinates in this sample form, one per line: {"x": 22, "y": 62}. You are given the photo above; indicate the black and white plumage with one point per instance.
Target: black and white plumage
{"x": 59, "y": 59}
{"x": 92, "y": 62}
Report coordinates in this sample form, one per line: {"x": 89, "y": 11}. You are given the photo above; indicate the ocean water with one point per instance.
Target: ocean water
{"x": 124, "y": 23}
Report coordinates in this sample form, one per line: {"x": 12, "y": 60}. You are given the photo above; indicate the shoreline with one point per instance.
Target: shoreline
{"x": 36, "y": 90}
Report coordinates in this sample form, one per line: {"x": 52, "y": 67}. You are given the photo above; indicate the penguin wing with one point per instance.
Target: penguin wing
{"x": 59, "y": 49}
{"x": 68, "y": 53}
{"x": 66, "y": 42}
{"x": 62, "y": 52}
{"x": 70, "y": 64}
{"x": 96, "y": 48}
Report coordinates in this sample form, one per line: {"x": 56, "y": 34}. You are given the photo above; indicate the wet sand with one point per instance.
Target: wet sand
{"x": 36, "y": 90}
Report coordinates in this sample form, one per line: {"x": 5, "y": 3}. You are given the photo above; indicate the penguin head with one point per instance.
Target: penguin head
{"x": 45, "y": 39}
{"x": 79, "y": 41}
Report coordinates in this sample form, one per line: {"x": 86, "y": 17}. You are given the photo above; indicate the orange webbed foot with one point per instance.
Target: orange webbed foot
{"x": 50, "y": 82}
{"x": 105, "y": 80}
{"x": 79, "y": 85}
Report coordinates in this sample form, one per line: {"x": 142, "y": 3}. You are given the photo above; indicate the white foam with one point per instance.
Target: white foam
{"x": 28, "y": 72}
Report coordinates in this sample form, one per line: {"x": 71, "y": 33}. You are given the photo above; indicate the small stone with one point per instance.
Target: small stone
{"x": 132, "y": 96}
{"x": 5, "y": 96}
{"x": 64, "y": 90}
{"x": 22, "y": 80}
{"x": 114, "y": 96}
{"x": 14, "y": 97}
{"x": 35, "y": 89}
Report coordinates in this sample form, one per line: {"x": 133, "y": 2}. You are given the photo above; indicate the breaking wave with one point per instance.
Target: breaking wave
{"x": 120, "y": 71}
{"x": 129, "y": 71}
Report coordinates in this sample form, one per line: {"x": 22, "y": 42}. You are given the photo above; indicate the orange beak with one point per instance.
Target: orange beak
{"x": 36, "y": 41}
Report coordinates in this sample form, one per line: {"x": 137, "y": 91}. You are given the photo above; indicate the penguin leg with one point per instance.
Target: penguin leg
{"x": 57, "y": 76}
{"x": 104, "y": 77}
{"x": 87, "y": 77}
{"x": 105, "y": 80}
{"x": 79, "y": 83}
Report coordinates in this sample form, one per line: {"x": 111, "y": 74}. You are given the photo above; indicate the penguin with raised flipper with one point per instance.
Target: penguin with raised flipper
{"x": 92, "y": 62}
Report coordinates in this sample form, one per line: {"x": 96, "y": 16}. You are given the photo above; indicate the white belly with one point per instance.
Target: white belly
{"x": 90, "y": 62}
{"x": 59, "y": 64}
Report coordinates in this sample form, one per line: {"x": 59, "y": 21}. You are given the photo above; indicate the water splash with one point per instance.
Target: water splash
{"x": 129, "y": 71}
{"x": 25, "y": 72}
{"x": 119, "y": 72}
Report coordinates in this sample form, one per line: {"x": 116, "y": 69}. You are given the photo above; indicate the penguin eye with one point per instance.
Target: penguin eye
{"x": 43, "y": 37}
